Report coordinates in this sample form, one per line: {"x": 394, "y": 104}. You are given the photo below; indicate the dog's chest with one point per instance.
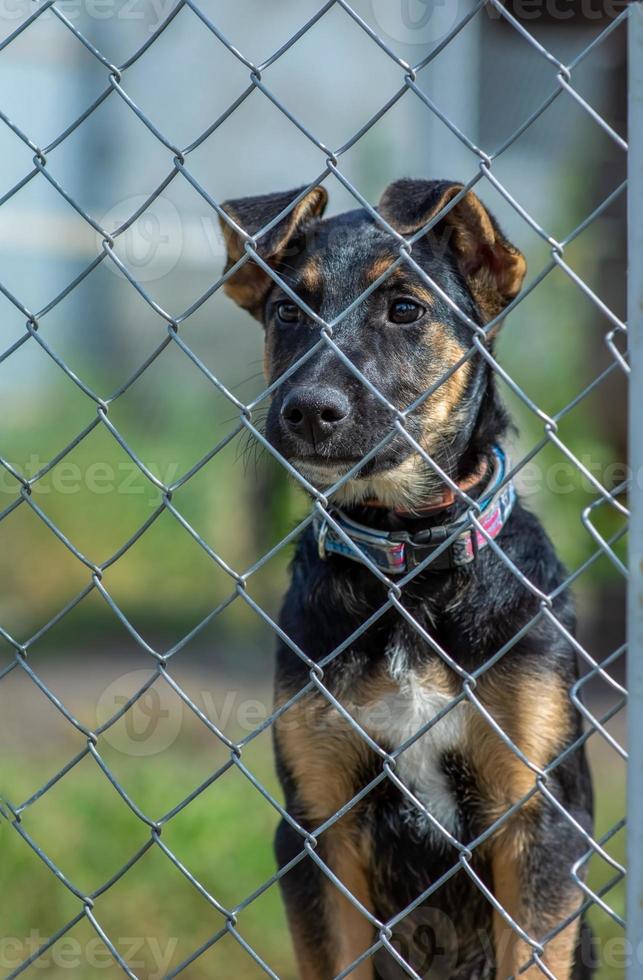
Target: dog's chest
{"x": 412, "y": 704}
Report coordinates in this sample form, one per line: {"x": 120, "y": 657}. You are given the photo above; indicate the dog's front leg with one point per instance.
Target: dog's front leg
{"x": 329, "y": 932}
{"x": 532, "y": 853}
{"x": 532, "y": 882}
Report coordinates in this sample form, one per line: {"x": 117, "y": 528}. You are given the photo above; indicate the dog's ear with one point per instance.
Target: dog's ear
{"x": 492, "y": 267}
{"x": 248, "y": 287}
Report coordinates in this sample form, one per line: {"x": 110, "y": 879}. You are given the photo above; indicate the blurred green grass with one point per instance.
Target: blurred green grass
{"x": 224, "y": 837}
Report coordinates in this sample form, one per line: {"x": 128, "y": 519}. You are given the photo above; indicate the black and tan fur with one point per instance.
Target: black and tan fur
{"x": 385, "y": 850}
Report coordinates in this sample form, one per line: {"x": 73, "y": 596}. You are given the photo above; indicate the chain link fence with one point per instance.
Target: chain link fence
{"x": 608, "y": 497}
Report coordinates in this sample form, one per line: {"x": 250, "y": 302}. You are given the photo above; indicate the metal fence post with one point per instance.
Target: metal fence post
{"x": 635, "y": 597}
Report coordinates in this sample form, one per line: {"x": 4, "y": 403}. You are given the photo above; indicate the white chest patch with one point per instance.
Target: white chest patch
{"x": 397, "y": 717}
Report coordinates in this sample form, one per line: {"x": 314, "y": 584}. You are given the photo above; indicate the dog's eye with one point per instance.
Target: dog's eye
{"x": 288, "y": 312}
{"x": 405, "y": 311}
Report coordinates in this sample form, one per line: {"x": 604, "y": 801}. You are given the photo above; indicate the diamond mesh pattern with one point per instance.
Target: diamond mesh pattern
{"x": 161, "y": 662}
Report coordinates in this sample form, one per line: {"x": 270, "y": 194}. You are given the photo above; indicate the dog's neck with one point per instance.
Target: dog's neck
{"x": 445, "y": 498}
{"x": 439, "y": 508}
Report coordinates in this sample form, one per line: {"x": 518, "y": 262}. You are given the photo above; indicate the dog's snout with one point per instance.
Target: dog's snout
{"x": 314, "y": 412}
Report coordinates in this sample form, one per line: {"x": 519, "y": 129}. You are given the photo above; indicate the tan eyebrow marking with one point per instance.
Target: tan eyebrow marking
{"x": 379, "y": 267}
{"x": 310, "y": 276}
{"x": 397, "y": 277}
{"x": 420, "y": 293}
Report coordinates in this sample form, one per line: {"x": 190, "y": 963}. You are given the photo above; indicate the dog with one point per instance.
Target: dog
{"x": 460, "y": 858}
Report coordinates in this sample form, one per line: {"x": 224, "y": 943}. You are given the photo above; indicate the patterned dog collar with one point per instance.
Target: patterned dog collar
{"x": 398, "y": 552}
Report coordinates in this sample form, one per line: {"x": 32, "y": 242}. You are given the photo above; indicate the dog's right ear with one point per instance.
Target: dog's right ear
{"x": 250, "y": 284}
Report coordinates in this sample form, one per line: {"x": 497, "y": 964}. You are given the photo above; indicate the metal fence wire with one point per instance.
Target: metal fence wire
{"x": 161, "y": 662}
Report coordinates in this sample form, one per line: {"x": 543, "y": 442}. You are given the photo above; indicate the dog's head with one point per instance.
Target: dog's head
{"x": 403, "y": 337}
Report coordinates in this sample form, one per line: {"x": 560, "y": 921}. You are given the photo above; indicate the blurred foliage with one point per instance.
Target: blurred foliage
{"x": 98, "y": 498}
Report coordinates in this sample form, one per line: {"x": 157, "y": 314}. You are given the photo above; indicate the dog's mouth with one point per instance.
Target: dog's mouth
{"x": 322, "y": 471}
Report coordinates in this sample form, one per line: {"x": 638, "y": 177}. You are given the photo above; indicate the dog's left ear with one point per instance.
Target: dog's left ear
{"x": 492, "y": 267}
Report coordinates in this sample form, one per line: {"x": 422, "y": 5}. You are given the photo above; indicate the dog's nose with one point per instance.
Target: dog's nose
{"x": 315, "y": 412}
